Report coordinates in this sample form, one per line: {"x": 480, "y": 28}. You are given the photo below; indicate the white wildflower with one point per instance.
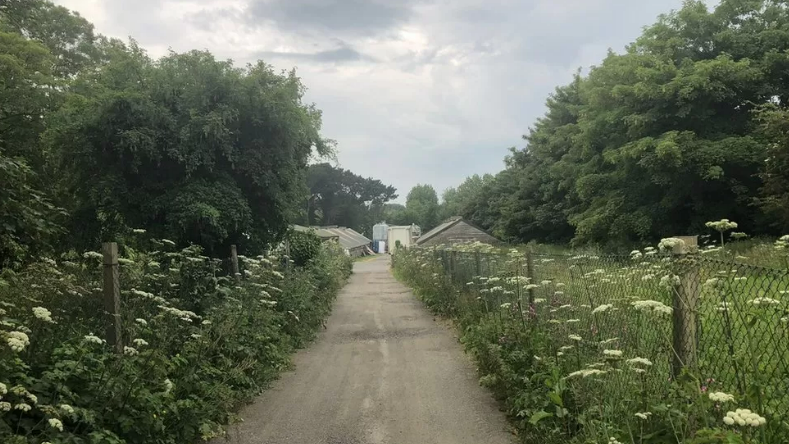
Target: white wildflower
{"x": 23, "y": 407}
{"x": 670, "y": 243}
{"x": 602, "y": 308}
{"x": 647, "y": 277}
{"x": 168, "y": 385}
{"x": 195, "y": 336}
{"x": 43, "y": 314}
{"x": 559, "y": 285}
{"x": 206, "y": 322}
{"x": 91, "y": 338}
{"x": 3, "y": 389}
{"x": 586, "y": 373}
{"x": 56, "y": 424}
{"x": 566, "y": 347}
{"x": 531, "y": 287}
{"x": 643, "y": 415}
{"x": 17, "y": 340}
{"x": 612, "y": 353}
{"x": 92, "y": 255}
{"x": 744, "y": 417}
{"x": 539, "y": 300}
{"x": 130, "y": 351}
{"x": 572, "y": 321}
{"x": 67, "y": 409}
{"x": 712, "y": 282}
{"x": 575, "y": 337}
{"x": 721, "y": 397}
{"x": 764, "y": 301}
{"x": 138, "y": 231}
{"x": 141, "y": 321}
{"x": 506, "y": 305}
{"x": 168, "y": 242}
{"x": 654, "y": 306}
{"x": 670, "y": 280}
{"x": 5, "y": 406}
{"x": 642, "y": 361}
{"x": 140, "y": 342}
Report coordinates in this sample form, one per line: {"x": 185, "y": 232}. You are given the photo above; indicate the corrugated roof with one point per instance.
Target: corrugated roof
{"x": 443, "y": 226}
{"x": 320, "y": 232}
{"x": 349, "y": 238}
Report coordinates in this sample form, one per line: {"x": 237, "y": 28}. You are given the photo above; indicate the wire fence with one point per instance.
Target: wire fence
{"x": 720, "y": 322}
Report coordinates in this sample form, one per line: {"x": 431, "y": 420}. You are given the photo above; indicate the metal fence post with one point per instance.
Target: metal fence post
{"x": 112, "y": 296}
{"x": 685, "y": 301}
{"x": 530, "y": 274}
{"x": 234, "y": 262}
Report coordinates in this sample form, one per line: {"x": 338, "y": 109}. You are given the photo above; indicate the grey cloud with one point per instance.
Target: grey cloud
{"x": 359, "y": 17}
{"x": 342, "y": 54}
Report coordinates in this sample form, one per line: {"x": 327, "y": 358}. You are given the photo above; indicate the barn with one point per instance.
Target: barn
{"x": 455, "y": 230}
{"x": 352, "y": 242}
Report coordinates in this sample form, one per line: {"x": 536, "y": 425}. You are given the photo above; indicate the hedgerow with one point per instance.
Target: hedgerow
{"x": 196, "y": 343}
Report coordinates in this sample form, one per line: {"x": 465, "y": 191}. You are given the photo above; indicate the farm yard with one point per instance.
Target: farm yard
{"x": 649, "y": 347}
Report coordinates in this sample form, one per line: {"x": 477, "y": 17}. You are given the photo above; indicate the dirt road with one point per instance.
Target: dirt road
{"x": 383, "y": 372}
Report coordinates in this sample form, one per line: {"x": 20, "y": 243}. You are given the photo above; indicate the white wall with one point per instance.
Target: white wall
{"x": 402, "y": 234}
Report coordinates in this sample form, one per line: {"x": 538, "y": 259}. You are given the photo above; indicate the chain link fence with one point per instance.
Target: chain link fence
{"x": 652, "y": 317}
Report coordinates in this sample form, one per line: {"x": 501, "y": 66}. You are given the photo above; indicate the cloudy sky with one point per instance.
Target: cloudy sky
{"x": 413, "y": 91}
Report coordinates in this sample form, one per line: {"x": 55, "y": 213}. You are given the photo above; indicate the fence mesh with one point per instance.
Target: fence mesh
{"x": 722, "y": 322}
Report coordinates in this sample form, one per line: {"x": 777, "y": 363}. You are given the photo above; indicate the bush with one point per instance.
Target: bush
{"x": 197, "y": 344}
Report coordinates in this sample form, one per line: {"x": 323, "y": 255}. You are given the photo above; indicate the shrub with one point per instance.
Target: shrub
{"x": 197, "y": 344}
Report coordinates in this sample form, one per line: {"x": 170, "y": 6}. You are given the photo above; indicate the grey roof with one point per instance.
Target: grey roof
{"x": 349, "y": 239}
{"x": 441, "y": 227}
{"x": 320, "y": 232}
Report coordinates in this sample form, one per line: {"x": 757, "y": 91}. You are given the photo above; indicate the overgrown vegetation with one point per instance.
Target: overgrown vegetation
{"x": 589, "y": 348}
{"x": 688, "y": 125}
{"x": 197, "y": 343}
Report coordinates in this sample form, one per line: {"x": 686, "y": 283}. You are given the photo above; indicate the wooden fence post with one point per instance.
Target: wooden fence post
{"x": 530, "y": 274}
{"x": 685, "y": 301}
{"x": 234, "y": 262}
{"x": 477, "y": 263}
{"x": 112, "y": 296}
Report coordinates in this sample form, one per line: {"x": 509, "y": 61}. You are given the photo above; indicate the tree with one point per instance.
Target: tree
{"x": 422, "y": 205}
{"x": 187, "y": 147}
{"x": 340, "y": 197}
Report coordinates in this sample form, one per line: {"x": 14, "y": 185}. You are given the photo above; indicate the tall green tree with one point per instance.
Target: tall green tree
{"x": 188, "y": 147}
{"x": 340, "y": 197}
{"x": 422, "y": 206}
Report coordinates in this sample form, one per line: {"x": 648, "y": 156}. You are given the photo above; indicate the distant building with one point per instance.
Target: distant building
{"x": 352, "y": 242}
{"x": 405, "y": 234}
{"x": 455, "y": 230}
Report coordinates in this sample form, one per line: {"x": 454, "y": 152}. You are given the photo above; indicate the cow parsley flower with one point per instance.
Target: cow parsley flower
{"x": 575, "y": 337}
{"x": 653, "y": 306}
{"x": 764, "y": 301}
{"x": 138, "y": 231}
{"x": 586, "y": 373}
{"x": 141, "y": 321}
{"x": 612, "y": 353}
{"x": 721, "y": 397}
{"x": 572, "y": 321}
{"x": 17, "y": 340}
{"x": 5, "y": 406}
{"x": 643, "y": 415}
{"x": 602, "y": 308}
{"x": 67, "y": 409}
{"x": 3, "y": 389}
{"x": 56, "y": 424}
{"x": 43, "y": 314}
{"x": 91, "y": 338}
{"x": 744, "y": 417}
{"x": 530, "y": 287}
{"x": 92, "y": 255}
{"x": 539, "y": 300}
{"x": 566, "y": 347}
{"x": 23, "y": 407}
{"x": 168, "y": 386}
{"x": 139, "y": 342}
{"x": 608, "y": 341}
{"x": 130, "y": 351}
{"x": 641, "y": 361}
{"x": 168, "y": 242}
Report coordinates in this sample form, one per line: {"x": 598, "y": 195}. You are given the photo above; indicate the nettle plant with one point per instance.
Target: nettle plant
{"x": 196, "y": 343}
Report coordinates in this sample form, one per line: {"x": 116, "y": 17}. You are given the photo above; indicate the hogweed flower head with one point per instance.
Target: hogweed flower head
{"x": 721, "y": 397}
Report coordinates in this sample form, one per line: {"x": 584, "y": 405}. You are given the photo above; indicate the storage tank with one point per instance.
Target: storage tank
{"x": 380, "y": 231}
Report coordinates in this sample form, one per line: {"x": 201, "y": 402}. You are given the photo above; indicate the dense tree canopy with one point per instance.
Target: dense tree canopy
{"x": 340, "y": 197}
{"x": 188, "y": 147}
{"x": 658, "y": 140}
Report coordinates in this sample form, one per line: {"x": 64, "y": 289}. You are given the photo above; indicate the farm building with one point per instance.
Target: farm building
{"x": 455, "y": 230}
{"x": 352, "y": 242}
{"x": 406, "y": 234}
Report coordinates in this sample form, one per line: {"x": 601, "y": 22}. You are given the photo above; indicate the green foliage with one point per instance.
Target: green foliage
{"x": 340, "y": 197}
{"x": 422, "y": 206}
{"x": 304, "y": 247}
{"x": 658, "y": 140}
{"x": 198, "y": 343}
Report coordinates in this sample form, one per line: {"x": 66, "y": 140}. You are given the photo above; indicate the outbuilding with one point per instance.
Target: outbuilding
{"x": 456, "y": 230}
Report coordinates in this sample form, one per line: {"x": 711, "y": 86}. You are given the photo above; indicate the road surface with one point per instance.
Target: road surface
{"x": 383, "y": 372}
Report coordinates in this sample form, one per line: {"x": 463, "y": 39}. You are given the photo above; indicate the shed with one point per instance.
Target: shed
{"x": 352, "y": 241}
{"x": 455, "y": 230}
{"x": 403, "y": 234}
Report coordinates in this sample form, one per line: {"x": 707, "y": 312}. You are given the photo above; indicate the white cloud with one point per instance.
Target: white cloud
{"x": 413, "y": 91}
